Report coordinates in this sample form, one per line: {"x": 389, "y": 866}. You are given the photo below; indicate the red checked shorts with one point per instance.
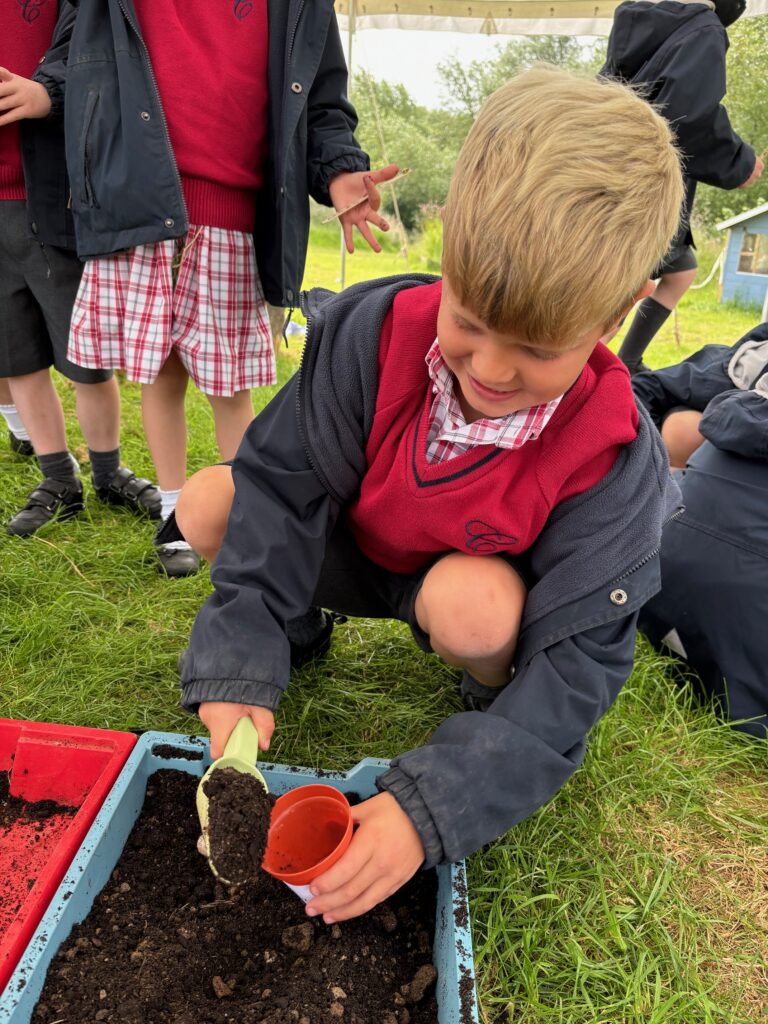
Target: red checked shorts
{"x": 199, "y": 296}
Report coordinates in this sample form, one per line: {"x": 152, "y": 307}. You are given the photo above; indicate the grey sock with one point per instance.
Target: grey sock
{"x": 305, "y": 628}
{"x": 58, "y": 466}
{"x": 649, "y": 319}
{"x": 104, "y": 465}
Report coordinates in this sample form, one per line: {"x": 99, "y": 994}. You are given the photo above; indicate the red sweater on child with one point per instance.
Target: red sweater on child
{"x": 489, "y": 499}
{"x": 27, "y": 30}
{"x": 210, "y": 64}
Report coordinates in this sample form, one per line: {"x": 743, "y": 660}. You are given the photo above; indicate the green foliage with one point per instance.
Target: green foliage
{"x": 748, "y": 111}
{"x": 394, "y": 129}
{"x": 468, "y": 85}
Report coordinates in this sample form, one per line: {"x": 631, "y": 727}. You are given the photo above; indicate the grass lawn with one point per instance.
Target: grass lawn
{"x": 637, "y": 895}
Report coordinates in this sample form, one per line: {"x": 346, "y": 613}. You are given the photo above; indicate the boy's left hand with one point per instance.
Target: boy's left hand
{"x": 384, "y": 853}
{"x": 350, "y": 186}
{"x": 21, "y": 97}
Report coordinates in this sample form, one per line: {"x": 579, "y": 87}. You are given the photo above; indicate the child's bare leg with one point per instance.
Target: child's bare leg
{"x": 471, "y": 609}
{"x": 680, "y": 433}
{"x": 203, "y": 509}
{"x": 98, "y": 413}
{"x": 38, "y": 405}
{"x": 5, "y": 392}
{"x": 672, "y": 287}
{"x": 165, "y": 423}
{"x": 232, "y": 417}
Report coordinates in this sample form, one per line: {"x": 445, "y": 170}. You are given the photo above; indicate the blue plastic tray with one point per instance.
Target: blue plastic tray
{"x": 101, "y": 849}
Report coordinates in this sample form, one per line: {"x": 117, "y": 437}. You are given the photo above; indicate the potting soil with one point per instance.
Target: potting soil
{"x": 238, "y": 823}
{"x": 165, "y": 943}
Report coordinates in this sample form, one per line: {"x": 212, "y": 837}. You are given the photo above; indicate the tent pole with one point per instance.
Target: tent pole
{"x": 350, "y": 34}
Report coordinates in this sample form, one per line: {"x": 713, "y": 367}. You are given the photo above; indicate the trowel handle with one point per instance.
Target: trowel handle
{"x": 243, "y": 742}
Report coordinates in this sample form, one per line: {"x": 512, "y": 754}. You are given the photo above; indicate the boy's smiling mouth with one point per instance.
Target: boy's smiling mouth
{"x": 491, "y": 394}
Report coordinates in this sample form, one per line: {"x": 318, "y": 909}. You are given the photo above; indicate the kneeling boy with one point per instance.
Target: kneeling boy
{"x": 464, "y": 455}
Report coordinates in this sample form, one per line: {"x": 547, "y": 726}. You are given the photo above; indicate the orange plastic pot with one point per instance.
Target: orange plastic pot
{"x": 310, "y": 828}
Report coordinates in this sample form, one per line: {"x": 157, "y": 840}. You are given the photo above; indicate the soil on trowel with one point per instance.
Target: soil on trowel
{"x": 239, "y": 809}
{"x": 165, "y": 943}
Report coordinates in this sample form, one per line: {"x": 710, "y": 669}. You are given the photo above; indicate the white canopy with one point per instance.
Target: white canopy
{"x": 491, "y": 17}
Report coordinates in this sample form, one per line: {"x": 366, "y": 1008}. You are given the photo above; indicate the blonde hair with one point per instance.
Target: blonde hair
{"x": 565, "y": 195}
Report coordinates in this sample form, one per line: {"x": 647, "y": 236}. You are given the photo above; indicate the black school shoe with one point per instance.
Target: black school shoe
{"x": 175, "y": 557}
{"x": 126, "y": 490}
{"x": 635, "y": 368}
{"x": 305, "y": 649}
{"x": 476, "y": 696}
{"x": 20, "y": 447}
{"x": 50, "y": 499}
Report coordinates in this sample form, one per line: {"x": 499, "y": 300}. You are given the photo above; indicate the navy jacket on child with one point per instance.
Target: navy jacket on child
{"x": 124, "y": 187}
{"x": 675, "y": 50}
{"x": 714, "y": 557}
{"x": 594, "y": 565}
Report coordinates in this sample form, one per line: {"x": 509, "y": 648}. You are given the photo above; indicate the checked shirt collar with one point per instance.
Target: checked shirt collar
{"x": 448, "y": 433}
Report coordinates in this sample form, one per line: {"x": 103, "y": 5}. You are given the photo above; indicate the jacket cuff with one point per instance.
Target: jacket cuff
{"x": 53, "y": 87}
{"x": 353, "y": 160}
{"x": 233, "y": 691}
{"x": 406, "y": 792}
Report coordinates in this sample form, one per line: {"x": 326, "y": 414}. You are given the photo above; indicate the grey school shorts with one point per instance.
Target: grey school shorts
{"x": 352, "y": 584}
{"x": 679, "y": 257}
{"x": 38, "y": 285}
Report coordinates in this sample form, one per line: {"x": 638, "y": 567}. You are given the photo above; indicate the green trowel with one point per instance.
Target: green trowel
{"x": 240, "y": 753}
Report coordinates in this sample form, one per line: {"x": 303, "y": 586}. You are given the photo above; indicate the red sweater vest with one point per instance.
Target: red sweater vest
{"x": 27, "y": 30}
{"x": 488, "y": 500}
{"x": 210, "y": 63}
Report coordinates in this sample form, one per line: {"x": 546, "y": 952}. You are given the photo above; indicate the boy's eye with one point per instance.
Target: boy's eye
{"x": 541, "y": 353}
{"x": 464, "y": 325}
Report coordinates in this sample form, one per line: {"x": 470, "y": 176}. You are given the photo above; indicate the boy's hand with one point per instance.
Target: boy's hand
{"x": 21, "y": 97}
{"x": 757, "y": 170}
{"x": 348, "y": 188}
{"x": 384, "y": 853}
{"x": 220, "y": 718}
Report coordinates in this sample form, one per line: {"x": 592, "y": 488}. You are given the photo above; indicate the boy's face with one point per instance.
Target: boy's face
{"x": 497, "y": 374}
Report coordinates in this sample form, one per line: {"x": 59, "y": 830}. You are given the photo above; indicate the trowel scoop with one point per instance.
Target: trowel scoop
{"x": 240, "y": 753}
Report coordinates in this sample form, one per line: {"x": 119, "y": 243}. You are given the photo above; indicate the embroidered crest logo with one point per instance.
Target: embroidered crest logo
{"x": 30, "y": 9}
{"x": 484, "y": 539}
{"x": 241, "y": 9}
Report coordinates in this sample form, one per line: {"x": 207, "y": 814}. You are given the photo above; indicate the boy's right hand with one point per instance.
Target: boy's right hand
{"x": 757, "y": 170}
{"x": 220, "y": 718}
{"x": 21, "y": 97}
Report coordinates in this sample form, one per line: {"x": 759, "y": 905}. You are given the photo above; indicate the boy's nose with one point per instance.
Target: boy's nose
{"x": 495, "y": 372}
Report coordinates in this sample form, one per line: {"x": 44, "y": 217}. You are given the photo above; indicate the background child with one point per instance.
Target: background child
{"x": 18, "y": 438}
{"x": 676, "y": 397}
{"x": 495, "y": 488}
{"x": 38, "y": 284}
{"x": 189, "y": 138}
{"x": 713, "y": 607}
{"x": 675, "y": 51}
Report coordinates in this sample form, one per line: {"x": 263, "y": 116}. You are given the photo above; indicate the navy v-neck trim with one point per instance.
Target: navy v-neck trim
{"x": 445, "y": 477}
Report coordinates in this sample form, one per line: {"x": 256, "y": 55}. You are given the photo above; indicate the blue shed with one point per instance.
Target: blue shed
{"x": 744, "y": 273}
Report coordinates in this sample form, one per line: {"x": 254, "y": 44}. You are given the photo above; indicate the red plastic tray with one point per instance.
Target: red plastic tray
{"x": 72, "y": 766}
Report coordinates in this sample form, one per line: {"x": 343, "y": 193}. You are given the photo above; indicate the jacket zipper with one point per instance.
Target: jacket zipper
{"x": 138, "y": 35}
{"x": 300, "y": 421}
{"x": 293, "y": 31}
{"x": 651, "y": 554}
